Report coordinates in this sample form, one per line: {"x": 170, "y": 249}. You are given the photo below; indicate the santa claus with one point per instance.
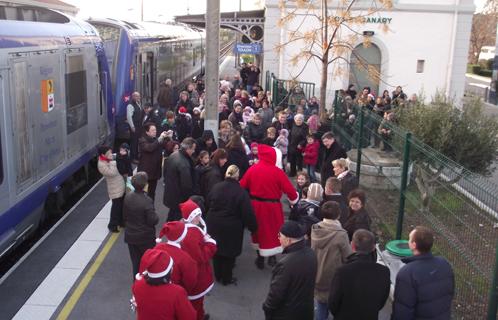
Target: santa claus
{"x": 266, "y": 183}
{"x": 201, "y": 247}
{"x": 154, "y": 296}
{"x": 185, "y": 272}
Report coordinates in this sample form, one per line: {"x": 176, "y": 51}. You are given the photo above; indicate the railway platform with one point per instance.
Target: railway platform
{"x": 81, "y": 271}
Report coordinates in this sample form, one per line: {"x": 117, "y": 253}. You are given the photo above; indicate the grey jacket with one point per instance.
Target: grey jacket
{"x": 331, "y": 245}
{"x": 140, "y": 218}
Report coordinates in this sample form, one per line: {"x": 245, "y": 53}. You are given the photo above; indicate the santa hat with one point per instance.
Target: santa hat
{"x": 182, "y": 110}
{"x": 190, "y": 210}
{"x": 174, "y": 231}
{"x": 155, "y": 264}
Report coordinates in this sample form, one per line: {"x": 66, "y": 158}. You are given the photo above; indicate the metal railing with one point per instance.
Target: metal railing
{"x": 288, "y": 93}
{"x": 423, "y": 187}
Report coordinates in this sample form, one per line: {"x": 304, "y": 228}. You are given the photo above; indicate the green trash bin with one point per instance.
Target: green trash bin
{"x": 399, "y": 248}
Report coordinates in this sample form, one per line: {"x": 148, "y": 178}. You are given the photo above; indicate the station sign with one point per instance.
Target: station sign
{"x": 248, "y": 48}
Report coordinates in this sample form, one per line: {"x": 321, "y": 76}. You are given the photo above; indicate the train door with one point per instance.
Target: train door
{"x": 21, "y": 123}
{"x": 147, "y": 78}
{"x": 5, "y": 104}
{"x": 76, "y": 103}
{"x": 102, "y": 87}
{"x": 46, "y": 110}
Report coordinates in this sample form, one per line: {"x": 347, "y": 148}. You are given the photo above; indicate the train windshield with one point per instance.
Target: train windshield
{"x": 110, "y": 38}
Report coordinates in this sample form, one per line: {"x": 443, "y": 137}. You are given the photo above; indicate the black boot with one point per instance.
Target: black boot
{"x": 272, "y": 261}
{"x": 260, "y": 261}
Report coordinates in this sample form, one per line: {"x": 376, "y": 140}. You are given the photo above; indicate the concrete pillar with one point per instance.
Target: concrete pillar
{"x": 212, "y": 65}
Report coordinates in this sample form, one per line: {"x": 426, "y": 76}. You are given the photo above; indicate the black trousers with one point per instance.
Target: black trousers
{"x": 174, "y": 214}
{"x": 223, "y": 268}
{"x": 116, "y": 218}
{"x": 136, "y": 253}
{"x": 296, "y": 160}
{"x": 134, "y": 144}
{"x": 151, "y": 189}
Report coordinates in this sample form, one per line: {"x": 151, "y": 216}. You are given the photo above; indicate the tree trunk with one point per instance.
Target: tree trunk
{"x": 323, "y": 89}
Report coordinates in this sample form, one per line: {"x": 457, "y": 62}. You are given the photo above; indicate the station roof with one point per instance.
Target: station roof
{"x": 199, "y": 19}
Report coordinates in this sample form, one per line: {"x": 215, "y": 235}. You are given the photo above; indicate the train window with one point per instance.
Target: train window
{"x": 28, "y": 13}
{"x": 76, "y": 100}
{"x": 21, "y": 125}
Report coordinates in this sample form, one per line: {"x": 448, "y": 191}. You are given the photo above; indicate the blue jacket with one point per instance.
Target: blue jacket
{"x": 424, "y": 289}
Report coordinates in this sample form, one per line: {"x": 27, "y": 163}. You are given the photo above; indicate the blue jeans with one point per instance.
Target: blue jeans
{"x": 311, "y": 173}
{"x": 321, "y": 311}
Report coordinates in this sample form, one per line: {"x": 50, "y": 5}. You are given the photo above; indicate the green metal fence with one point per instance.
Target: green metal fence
{"x": 288, "y": 93}
{"x": 410, "y": 184}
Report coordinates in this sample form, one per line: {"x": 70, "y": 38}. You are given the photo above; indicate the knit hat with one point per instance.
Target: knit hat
{"x": 174, "y": 231}
{"x": 190, "y": 210}
{"x": 155, "y": 263}
{"x": 292, "y": 229}
{"x": 197, "y": 109}
{"x": 182, "y": 110}
{"x": 124, "y": 145}
{"x": 237, "y": 102}
{"x": 315, "y": 192}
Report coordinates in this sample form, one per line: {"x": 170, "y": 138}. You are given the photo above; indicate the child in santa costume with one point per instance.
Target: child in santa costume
{"x": 154, "y": 296}
{"x": 185, "y": 272}
{"x": 266, "y": 183}
{"x": 201, "y": 247}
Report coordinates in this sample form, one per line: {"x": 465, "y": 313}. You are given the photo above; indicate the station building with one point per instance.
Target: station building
{"x": 425, "y": 49}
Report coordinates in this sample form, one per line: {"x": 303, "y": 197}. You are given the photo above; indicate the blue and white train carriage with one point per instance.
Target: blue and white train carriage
{"x": 55, "y": 108}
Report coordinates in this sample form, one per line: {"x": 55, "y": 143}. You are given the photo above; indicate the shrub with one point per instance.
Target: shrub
{"x": 476, "y": 69}
{"x": 486, "y": 73}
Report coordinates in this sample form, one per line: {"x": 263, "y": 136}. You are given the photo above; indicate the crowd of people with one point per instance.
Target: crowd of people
{"x": 215, "y": 189}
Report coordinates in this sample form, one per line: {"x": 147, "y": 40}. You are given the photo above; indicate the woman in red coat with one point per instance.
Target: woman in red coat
{"x": 310, "y": 156}
{"x": 154, "y": 296}
{"x": 201, "y": 247}
{"x": 266, "y": 183}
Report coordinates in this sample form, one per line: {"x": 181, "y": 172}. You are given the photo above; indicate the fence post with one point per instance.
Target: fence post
{"x": 274, "y": 86}
{"x": 267, "y": 88}
{"x": 335, "y": 107}
{"x": 404, "y": 182}
{"x": 360, "y": 138}
{"x": 493, "y": 292}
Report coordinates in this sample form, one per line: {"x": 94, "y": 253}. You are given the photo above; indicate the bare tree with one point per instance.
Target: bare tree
{"x": 483, "y": 30}
{"x": 334, "y": 36}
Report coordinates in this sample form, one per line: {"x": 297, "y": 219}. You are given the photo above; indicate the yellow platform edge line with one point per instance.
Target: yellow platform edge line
{"x": 85, "y": 281}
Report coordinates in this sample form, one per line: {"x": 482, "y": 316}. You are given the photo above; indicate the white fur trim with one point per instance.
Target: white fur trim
{"x": 202, "y": 294}
{"x": 174, "y": 244}
{"x": 159, "y": 240}
{"x": 191, "y": 225}
{"x": 293, "y": 202}
{"x": 270, "y": 252}
{"x": 163, "y": 273}
{"x": 196, "y": 212}
{"x": 210, "y": 240}
{"x": 138, "y": 276}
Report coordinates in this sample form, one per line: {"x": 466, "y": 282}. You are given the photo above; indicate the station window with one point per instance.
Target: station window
{"x": 76, "y": 100}
{"x": 420, "y": 66}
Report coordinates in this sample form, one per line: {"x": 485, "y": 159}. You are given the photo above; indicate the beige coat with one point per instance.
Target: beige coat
{"x": 114, "y": 180}
{"x": 331, "y": 245}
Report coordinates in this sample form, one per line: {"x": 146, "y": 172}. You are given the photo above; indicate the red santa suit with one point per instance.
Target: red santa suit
{"x": 185, "y": 271}
{"x": 166, "y": 301}
{"x": 266, "y": 183}
{"x": 201, "y": 247}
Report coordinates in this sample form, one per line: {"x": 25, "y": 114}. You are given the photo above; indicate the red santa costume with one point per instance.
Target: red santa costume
{"x": 162, "y": 301}
{"x": 185, "y": 271}
{"x": 201, "y": 247}
{"x": 266, "y": 183}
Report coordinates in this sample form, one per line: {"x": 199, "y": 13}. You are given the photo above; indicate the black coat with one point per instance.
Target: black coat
{"x": 208, "y": 178}
{"x": 150, "y": 156}
{"x": 359, "y": 289}
{"x": 178, "y": 179}
{"x": 306, "y": 213}
{"x": 239, "y": 158}
{"x": 297, "y": 136}
{"x": 139, "y": 218}
{"x": 229, "y": 212}
{"x": 355, "y": 221}
{"x": 349, "y": 182}
{"x": 201, "y": 143}
{"x": 424, "y": 289}
{"x": 337, "y": 197}
{"x": 254, "y": 133}
{"x": 292, "y": 285}
{"x": 327, "y": 156}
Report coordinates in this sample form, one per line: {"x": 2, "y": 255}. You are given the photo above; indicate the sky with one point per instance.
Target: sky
{"x": 164, "y": 10}
{"x": 154, "y": 10}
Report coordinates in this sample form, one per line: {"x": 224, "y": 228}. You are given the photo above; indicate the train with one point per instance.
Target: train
{"x": 64, "y": 87}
